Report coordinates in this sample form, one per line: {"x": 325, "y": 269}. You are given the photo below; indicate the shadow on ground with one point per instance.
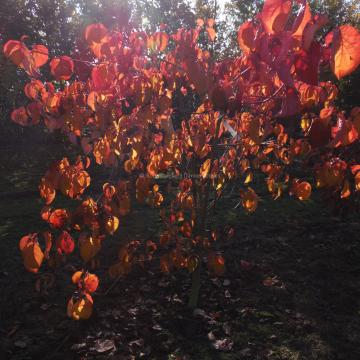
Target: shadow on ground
{"x": 295, "y": 295}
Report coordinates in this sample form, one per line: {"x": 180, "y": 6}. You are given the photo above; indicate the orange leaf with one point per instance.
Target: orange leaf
{"x": 91, "y": 282}
{"x": 85, "y": 281}
{"x": 210, "y": 22}
{"x": 40, "y": 54}
{"x": 345, "y": 53}
{"x": 247, "y": 37}
{"x": 111, "y": 224}
{"x": 275, "y": 14}
{"x": 249, "y": 200}
{"x": 345, "y": 192}
{"x": 58, "y": 218}
{"x": 31, "y": 253}
{"x": 303, "y": 191}
{"x": 205, "y": 168}
{"x": 76, "y": 278}
{"x": 80, "y": 308}
{"x": 211, "y": 32}
{"x": 47, "y": 191}
{"x": 357, "y": 181}
{"x": 301, "y": 21}
{"x": 25, "y": 240}
{"x": 200, "y": 22}
{"x": 158, "y": 41}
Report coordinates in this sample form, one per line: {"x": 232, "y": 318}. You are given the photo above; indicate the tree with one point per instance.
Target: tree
{"x": 263, "y": 113}
{"x": 174, "y": 14}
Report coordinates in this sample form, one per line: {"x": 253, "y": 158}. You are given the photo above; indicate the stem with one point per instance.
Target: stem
{"x": 195, "y": 287}
{"x": 201, "y": 212}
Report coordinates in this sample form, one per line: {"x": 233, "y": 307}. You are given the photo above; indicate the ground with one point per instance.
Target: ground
{"x": 291, "y": 289}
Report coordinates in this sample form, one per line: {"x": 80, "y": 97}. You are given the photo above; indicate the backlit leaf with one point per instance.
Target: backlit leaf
{"x": 62, "y": 68}
{"x": 345, "y": 51}
{"x": 275, "y": 14}
{"x": 80, "y": 308}
{"x": 65, "y": 243}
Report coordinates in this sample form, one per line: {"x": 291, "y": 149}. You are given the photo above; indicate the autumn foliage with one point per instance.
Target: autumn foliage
{"x": 263, "y": 113}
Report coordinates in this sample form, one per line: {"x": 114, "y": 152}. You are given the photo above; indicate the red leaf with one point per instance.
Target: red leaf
{"x": 65, "y": 243}
{"x": 355, "y": 169}
{"x": 102, "y": 76}
{"x": 307, "y": 64}
{"x": 62, "y": 68}
{"x": 48, "y": 241}
{"x": 320, "y": 133}
{"x": 28, "y": 60}
{"x": 290, "y": 104}
{"x": 20, "y": 116}
{"x": 34, "y": 111}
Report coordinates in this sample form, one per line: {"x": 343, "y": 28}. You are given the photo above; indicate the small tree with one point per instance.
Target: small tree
{"x": 154, "y": 106}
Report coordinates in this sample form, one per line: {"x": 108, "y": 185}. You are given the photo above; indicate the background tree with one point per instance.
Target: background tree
{"x": 236, "y": 13}
{"x": 174, "y": 14}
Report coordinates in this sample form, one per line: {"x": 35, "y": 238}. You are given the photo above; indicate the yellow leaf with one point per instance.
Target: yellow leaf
{"x": 250, "y": 200}
{"x": 89, "y": 246}
{"x": 205, "y": 168}
{"x": 249, "y": 178}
